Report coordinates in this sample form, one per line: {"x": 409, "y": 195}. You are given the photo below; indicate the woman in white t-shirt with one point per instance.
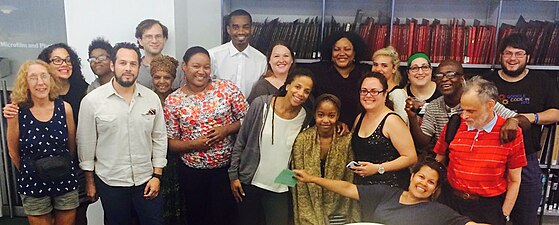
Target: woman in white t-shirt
{"x": 263, "y": 150}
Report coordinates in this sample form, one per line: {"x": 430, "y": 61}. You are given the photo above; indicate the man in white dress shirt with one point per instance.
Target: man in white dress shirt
{"x": 236, "y": 60}
{"x": 122, "y": 143}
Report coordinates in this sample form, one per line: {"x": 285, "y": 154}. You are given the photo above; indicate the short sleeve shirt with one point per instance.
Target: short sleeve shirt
{"x": 189, "y": 117}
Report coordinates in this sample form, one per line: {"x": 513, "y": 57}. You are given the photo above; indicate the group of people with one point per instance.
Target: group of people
{"x": 163, "y": 142}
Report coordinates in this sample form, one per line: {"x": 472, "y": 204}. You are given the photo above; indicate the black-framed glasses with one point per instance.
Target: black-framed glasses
{"x": 424, "y": 68}
{"x": 449, "y": 75}
{"x": 98, "y": 59}
{"x": 373, "y": 92}
{"x": 509, "y": 54}
{"x": 59, "y": 61}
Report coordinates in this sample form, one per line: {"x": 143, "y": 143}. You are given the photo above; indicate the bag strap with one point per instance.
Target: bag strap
{"x": 451, "y": 128}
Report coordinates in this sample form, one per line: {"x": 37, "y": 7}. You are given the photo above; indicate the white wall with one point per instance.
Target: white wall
{"x": 114, "y": 20}
{"x": 190, "y": 23}
{"x": 197, "y": 22}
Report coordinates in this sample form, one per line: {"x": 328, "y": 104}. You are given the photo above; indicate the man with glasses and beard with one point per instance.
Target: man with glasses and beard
{"x": 122, "y": 143}
{"x": 534, "y": 95}
{"x": 450, "y": 80}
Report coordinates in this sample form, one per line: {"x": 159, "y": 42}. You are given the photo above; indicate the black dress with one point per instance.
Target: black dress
{"x": 376, "y": 149}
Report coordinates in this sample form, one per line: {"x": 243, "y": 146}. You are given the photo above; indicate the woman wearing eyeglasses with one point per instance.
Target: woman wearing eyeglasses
{"x": 421, "y": 89}
{"x": 41, "y": 142}
{"x": 381, "y": 142}
{"x": 66, "y": 66}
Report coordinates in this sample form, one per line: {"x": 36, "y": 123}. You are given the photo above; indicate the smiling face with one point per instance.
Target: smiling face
{"x": 513, "y": 61}
{"x": 126, "y": 67}
{"x": 449, "y": 86}
{"x": 39, "y": 81}
{"x": 197, "y": 71}
{"x": 152, "y": 40}
{"x": 421, "y": 77}
{"x": 326, "y": 116}
{"x": 343, "y": 53}
{"x": 64, "y": 70}
{"x": 162, "y": 82}
{"x": 370, "y": 101}
{"x": 424, "y": 183}
{"x": 280, "y": 59}
{"x": 239, "y": 30}
{"x": 299, "y": 90}
{"x": 100, "y": 68}
{"x": 383, "y": 64}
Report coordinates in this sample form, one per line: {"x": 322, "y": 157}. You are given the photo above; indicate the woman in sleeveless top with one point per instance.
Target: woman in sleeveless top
{"x": 381, "y": 142}
{"x": 44, "y": 128}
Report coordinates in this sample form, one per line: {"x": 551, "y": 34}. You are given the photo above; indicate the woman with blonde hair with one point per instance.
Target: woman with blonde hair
{"x": 42, "y": 143}
{"x": 387, "y": 62}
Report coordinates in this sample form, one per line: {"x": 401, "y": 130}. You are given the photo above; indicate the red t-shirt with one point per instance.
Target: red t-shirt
{"x": 478, "y": 161}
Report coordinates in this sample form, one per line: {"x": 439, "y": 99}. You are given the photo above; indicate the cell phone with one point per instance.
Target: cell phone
{"x": 352, "y": 163}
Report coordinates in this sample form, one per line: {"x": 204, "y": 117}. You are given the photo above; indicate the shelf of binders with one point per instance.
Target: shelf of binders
{"x": 467, "y": 31}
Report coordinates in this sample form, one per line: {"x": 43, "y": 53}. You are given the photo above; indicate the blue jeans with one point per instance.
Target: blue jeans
{"x": 525, "y": 211}
{"x": 117, "y": 203}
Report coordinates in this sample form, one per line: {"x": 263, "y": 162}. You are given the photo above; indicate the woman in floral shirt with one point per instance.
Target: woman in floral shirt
{"x": 202, "y": 117}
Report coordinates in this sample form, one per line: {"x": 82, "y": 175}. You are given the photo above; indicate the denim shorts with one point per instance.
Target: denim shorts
{"x": 36, "y": 206}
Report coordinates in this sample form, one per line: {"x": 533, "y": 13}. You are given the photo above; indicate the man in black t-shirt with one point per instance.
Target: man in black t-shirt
{"x": 534, "y": 95}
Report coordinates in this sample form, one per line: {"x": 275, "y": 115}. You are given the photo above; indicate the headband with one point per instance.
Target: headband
{"x": 418, "y": 55}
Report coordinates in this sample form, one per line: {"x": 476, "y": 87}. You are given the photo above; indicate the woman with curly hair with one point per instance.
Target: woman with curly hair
{"x": 339, "y": 71}
{"x": 41, "y": 136}
{"x": 66, "y": 67}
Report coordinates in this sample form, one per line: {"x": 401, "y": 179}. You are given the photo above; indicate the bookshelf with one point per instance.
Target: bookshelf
{"x": 387, "y": 22}
{"x": 550, "y": 171}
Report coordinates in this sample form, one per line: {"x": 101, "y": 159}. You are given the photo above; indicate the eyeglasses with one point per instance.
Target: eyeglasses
{"x": 364, "y": 92}
{"x": 424, "y": 68}
{"x": 35, "y": 78}
{"x": 157, "y": 37}
{"x": 59, "y": 61}
{"x": 519, "y": 54}
{"x": 449, "y": 75}
{"x": 98, "y": 59}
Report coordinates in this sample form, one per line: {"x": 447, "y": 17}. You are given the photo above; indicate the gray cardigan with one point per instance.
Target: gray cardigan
{"x": 246, "y": 152}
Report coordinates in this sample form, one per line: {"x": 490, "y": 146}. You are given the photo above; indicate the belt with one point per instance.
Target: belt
{"x": 465, "y": 195}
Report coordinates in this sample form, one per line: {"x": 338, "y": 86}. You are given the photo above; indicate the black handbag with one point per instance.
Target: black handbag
{"x": 53, "y": 168}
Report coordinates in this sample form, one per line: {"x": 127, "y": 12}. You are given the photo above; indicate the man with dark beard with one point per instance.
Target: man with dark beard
{"x": 534, "y": 95}
{"x": 122, "y": 143}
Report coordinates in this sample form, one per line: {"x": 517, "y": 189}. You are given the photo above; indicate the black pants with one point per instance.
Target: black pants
{"x": 119, "y": 203}
{"x": 207, "y": 195}
{"x": 263, "y": 207}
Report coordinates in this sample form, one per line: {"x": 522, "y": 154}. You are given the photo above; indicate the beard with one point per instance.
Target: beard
{"x": 125, "y": 83}
{"x": 513, "y": 73}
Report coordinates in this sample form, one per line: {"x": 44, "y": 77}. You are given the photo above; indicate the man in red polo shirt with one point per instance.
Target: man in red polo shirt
{"x": 484, "y": 174}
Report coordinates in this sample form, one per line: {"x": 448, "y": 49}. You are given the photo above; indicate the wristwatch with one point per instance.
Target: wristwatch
{"x": 380, "y": 169}
{"x": 155, "y": 175}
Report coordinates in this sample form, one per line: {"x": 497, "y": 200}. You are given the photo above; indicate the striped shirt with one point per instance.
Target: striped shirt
{"x": 478, "y": 161}
{"x": 437, "y": 114}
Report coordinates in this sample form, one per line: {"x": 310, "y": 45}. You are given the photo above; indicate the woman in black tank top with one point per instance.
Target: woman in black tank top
{"x": 381, "y": 141}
